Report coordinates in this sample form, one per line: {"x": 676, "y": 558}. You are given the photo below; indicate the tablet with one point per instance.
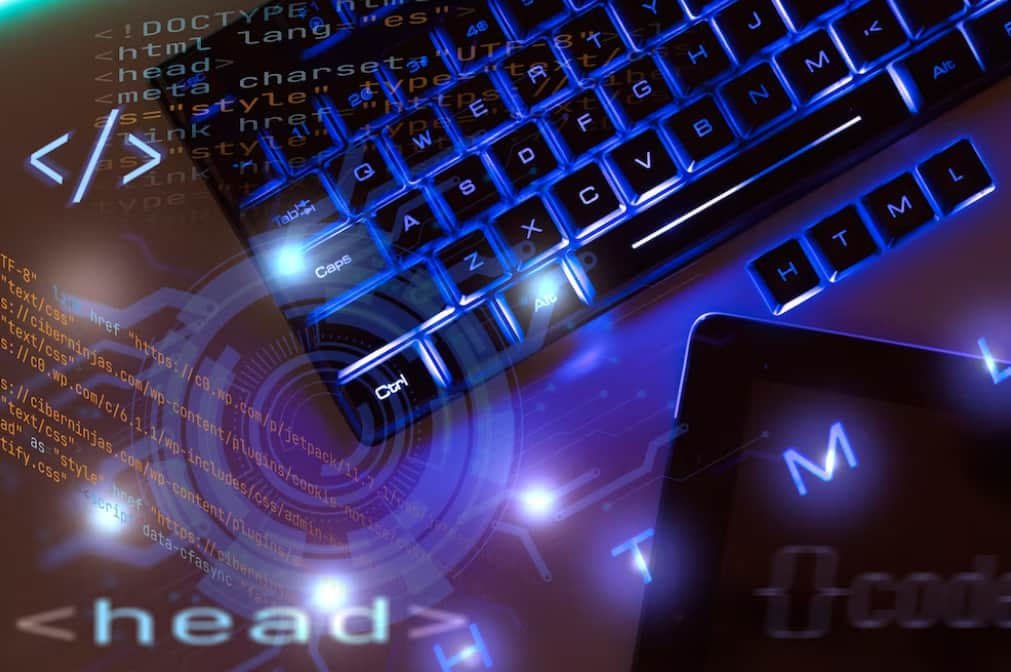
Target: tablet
{"x": 835, "y": 501}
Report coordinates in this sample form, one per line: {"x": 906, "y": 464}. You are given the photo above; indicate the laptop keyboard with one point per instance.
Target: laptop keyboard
{"x": 456, "y": 185}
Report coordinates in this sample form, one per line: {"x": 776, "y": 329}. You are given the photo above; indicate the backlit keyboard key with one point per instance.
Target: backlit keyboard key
{"x": 787, "y": 275}
{"x": 695, "y": 56}
{"x": 302, "y": 135}
{"x": 359, "y": 100}
{"x": 473, "y": 347}
{"x": 956, "y": 176}
{"x": 309, "y": 22}
{"x": 696, "y": 7}
{"x": 415, "y": 67}
{"x": 420, "y": 138}
{"x": 750, "y": 26}
{"x": 638, "y": 90}
{"x": 474, "y": 33}
{"x": 583, "y": 122}
{"x": 870, "y": 32}
{"x": 475, "y": 106}
{"x": 942, "y": 68}
{"x": 529, "y": 231}
{"x": 361, "y": 174}
{"x": 298, "y": 210}
{"x": 394, "y": 308}
{"x": 898, "y": 208}
{"x": 645, "y": 164}
{"x": 389, "y": 396}
{"x": 921, "y": 16}
{"x": 332, "y": 266}
{"x": 587, "y": 197}
{"x": 843, "y": 241}
{"x": 542, "y": 303}
{"x": 467, "y": 189}
{"x": 701, "y": 130}
{"x": 813, "y": 65}
{"x": 408, "y": 224}
{"x": 527, "y": 15}
{"x": 535, "y": 73}
{"x": 524, "y": 156}
{"x": 473, "y": 264}
{"x": 590, "y": 41}
{"x": 647, "y": 19}
{"x": 756, "y": 98}
{"x": 991, "y": 35}
{"x": 803, "y": 12}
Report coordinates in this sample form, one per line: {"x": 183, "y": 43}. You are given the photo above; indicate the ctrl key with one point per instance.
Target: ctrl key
{"x": 786, "y": 276}
{"x": 389, "y": 396}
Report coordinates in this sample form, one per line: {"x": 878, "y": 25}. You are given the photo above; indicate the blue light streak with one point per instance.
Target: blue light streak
{"x": 538, "y": 501}
{"x": 751, "y": 180}
{"x": 836, "y": 437}
{"x": 991, "y": 364}
{"x": 96, "y": 154}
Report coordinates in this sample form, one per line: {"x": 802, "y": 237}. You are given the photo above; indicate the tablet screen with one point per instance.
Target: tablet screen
{"x": 835, "y": 501}
{"x": 864, "y": 530}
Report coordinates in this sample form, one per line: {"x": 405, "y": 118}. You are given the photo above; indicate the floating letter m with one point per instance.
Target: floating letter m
{"x": 836, "y": 440}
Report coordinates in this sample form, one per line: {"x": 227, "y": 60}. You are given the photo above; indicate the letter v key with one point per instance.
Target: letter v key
{"x": 645, "y": 163}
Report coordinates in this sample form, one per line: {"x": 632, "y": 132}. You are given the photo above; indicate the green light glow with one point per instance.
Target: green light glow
{"x": 10, "y": 9}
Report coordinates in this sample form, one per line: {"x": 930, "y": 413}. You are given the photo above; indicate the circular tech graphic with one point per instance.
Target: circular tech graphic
{"x": 274, "y": 484}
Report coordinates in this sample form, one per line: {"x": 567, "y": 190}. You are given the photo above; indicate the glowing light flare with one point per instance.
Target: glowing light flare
{"x": 105, "y": 520}
{"x": 290, "y": 260}
{"x": 538, "y": 501}
{"x": 547, "y": 287}
{"x": 329, "y": 594}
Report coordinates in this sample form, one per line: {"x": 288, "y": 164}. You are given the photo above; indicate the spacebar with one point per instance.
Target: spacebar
{"x": 747, "y": 187}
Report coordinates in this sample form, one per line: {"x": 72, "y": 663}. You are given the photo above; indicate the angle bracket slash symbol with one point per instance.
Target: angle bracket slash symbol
{"x": 35, "y": 159}
{"x": 153, "y": 154}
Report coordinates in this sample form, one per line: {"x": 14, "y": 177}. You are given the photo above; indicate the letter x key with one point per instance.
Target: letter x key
{"x": 531, "y": 228}
{"x": 529, "y": 231}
